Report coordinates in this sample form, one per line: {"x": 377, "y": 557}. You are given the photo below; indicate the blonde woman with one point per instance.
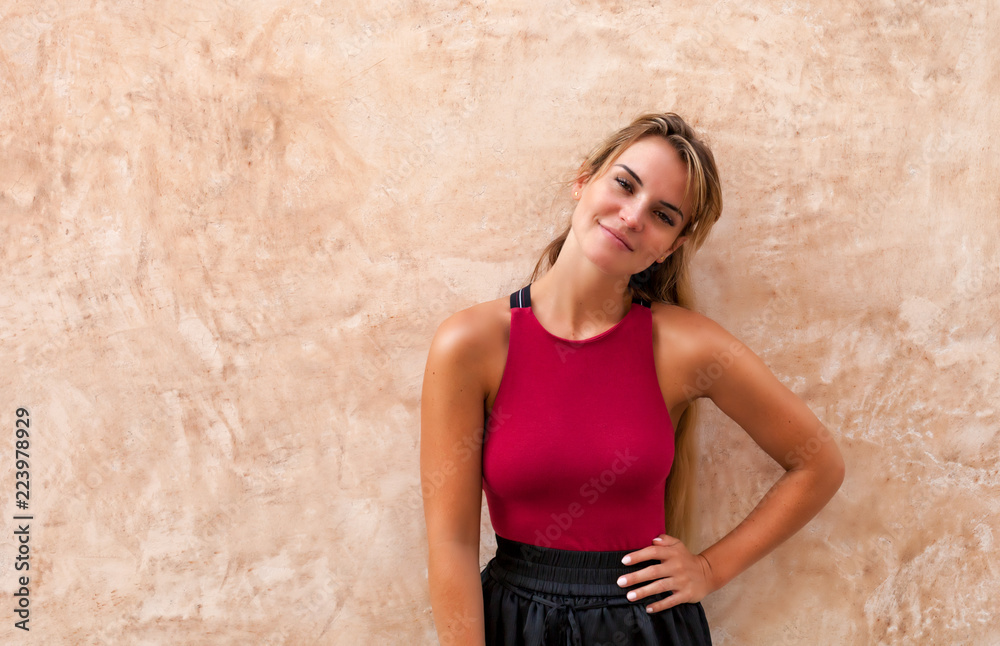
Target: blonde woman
{"x": 570, "y": 403}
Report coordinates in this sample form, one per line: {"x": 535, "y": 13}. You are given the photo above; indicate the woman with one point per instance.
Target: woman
{"x": 558, "y": 401}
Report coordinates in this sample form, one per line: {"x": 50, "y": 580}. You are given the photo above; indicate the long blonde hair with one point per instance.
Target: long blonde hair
{"x": 666, "y": 282}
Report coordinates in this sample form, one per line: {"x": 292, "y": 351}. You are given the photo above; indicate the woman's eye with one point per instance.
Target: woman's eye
{"x": 624, "y": 184}
{"x": 666, "y": 218}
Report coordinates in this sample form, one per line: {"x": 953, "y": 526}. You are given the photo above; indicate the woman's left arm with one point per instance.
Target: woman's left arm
{"x": 743, "y": 387}
{"x": 781, "y": 424}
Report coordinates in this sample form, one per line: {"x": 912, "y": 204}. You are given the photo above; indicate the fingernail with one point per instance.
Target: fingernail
{"x": 621, "y": 581}
{"x": 649, "y": 609}
{"x": 657, "y": 539}
{"x": 631, "y": 596}
{"x": 627, "y": 560}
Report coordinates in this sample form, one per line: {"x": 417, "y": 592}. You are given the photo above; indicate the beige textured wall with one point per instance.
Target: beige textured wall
{"x": 230, "y": 230}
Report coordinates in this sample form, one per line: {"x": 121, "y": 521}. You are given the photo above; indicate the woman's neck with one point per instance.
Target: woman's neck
{"x": 579, "y": 300}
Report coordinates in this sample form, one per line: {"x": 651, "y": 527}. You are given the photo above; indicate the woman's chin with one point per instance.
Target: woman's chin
{"x": 609, "y": 262}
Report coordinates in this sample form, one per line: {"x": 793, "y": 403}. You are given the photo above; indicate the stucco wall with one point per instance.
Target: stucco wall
{"x": 230, "y": 230}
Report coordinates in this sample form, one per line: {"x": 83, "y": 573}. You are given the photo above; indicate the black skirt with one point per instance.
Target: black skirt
{"x": 538, "y": 596}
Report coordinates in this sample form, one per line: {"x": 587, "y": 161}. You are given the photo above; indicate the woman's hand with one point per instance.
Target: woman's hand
{"x": 688, "y": 576}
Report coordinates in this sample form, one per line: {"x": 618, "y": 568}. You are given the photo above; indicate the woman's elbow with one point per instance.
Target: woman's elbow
{"x": 836, "y": 470}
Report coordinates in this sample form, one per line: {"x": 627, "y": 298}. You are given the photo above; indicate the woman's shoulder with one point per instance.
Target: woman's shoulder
{"x": 687, "y": 331}
{"x": 474, "y": 333}
{"x": 681, "y": 318}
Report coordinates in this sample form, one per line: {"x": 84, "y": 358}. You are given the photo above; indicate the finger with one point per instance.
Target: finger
{"x": 650, "y": 573}
{"x": 645, "y": 554}
{"x": 659, "y": 586}
{"x": 663, "y": 540}
{"x": 655, "y": 552}
{"x": 674, "y": 599}
{"x": 666, "y": 539}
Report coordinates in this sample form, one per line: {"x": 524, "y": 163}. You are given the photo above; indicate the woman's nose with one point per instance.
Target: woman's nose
{"x": 631, "y": 214}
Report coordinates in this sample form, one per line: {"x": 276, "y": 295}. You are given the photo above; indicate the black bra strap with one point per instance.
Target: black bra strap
{"x": 640, "y": 301}
{"x": 522, "y": 298}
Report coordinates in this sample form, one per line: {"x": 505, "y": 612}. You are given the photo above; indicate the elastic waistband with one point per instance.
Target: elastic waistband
{"x": 546, "y": 569}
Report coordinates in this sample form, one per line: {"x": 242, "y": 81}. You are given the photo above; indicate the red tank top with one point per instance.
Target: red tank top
{"x": 579, "y": 442}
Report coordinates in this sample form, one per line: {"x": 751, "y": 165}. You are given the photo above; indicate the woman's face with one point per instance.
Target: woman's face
{"x": 639, "y": 199}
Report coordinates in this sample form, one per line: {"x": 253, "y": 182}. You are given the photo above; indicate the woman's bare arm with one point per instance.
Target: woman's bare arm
{"x": 745, "y": 389}
{"x": 451, "y": 432}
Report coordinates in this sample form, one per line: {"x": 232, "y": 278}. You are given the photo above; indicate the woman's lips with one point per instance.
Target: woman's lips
{"x": 616, "y": 238}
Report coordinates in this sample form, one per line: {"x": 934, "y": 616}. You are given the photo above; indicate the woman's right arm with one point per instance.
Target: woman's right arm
{"x": 451, "y": 432}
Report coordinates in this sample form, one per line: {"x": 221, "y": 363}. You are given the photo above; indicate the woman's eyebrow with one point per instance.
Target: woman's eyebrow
{"x": 639, "y": 182}
{"x": 632, "y": 173}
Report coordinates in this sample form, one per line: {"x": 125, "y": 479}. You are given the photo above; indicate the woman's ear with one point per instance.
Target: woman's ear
{"x": 674, "y": 247}
{"x": 582, "y": 178}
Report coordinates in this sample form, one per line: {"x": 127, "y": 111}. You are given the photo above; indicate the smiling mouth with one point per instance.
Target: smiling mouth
{"x": 616, "y": 237}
